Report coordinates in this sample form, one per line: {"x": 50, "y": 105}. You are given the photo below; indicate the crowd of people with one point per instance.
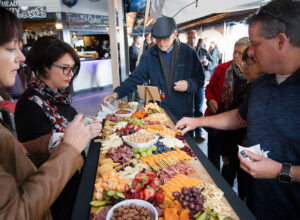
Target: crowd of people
{"x": 251, "y": 100}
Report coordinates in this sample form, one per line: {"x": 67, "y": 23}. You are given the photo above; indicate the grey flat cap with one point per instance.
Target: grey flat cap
{"x": 163, "y": 27}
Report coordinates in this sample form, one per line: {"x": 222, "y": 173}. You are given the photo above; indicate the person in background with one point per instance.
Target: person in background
{"x": 271, "y": 112}
{"x": 134, "y": 52}
{"x": 205, "y": 58}
{"x": 215, "y": 54}
{"x": 27, "y": 192}
{"x": 97, "y": 47}
{"x": 6, "y": 101}
{"x": 202, "y": 44}
{"x": 45, "y": 108}
{"x": 22, "y": 71}
{"x": 172, "y": 66}
{"x": 222, "y": 87}
{"x": 153, "y": 41}
{"x": 147, "y": 42}
{"x": 231, "y": 139}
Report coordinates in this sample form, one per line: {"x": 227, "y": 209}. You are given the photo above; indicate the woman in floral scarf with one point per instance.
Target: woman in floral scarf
{"x": 45, "y": 107}
{"x": 223, "y": 85}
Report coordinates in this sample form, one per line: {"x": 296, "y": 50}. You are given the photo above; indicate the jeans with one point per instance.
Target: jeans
{"x": 198, "y": 108}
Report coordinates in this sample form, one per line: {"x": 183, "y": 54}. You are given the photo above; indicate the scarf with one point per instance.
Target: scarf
{"x": 58, "y": 122}
{"x": 233, "y": 73}
{"x": 168, "y": 70}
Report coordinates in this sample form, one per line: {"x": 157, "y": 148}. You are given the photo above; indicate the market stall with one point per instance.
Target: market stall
{"x": 204, "y": 175}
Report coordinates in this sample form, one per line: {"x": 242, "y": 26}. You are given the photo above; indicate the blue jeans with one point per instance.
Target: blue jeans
{"x": 198, "y": 108}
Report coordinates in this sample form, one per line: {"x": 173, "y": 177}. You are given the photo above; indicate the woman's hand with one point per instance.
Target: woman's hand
{"x": 95, "y": 128}
{"x": 77, "y": 133}
{"x": 213, "y": 106}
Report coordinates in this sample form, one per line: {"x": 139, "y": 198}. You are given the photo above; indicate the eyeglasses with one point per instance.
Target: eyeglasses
{"x": 67, "y": 70}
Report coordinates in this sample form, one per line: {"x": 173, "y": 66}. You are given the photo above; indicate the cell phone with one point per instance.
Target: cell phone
{"x": 245, "y": 155}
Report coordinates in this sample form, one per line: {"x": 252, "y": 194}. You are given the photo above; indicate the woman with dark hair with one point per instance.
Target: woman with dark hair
{"x": 45, "y": 107}
{"x": 27, "y": 192}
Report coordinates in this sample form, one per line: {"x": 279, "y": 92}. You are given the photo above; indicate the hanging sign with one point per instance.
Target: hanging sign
{"x": 25, "y": 12}
{"x": 85, "y": 21}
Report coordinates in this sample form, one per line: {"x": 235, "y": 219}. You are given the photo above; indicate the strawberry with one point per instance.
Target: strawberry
{"x": 126, "y": 187}
{"x": 152, "y": 184}
{"x": 134, "y": 183}
{"x": 130, "y": 125}
{"x": 138, "y": 187}
{"x": 148, "y": 192}
{"x": 136, "y": 196}
{"x": 146, "y": 180}
{"x": 151, "y": 175}
{"x": 159, "y": 190}
{"x": 157, "y": 181}
{"x": 159, "y": 197}
{"x": 131, "y": 190}
{"x": 141, "y": 194}
{"x": 139, "y": 177}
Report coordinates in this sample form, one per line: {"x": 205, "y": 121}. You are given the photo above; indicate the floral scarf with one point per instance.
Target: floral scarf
{"x": 233, "y": 73}
{"x": 58, "y": 122}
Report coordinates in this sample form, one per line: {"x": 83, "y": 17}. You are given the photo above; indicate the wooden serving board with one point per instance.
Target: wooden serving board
{"x": 201, "y": 173}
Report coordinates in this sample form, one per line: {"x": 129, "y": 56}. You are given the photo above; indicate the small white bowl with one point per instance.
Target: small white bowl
{"x": 138, "y": 203}
{"x": 123, "y": 115}
{"x": 140, "y": 145}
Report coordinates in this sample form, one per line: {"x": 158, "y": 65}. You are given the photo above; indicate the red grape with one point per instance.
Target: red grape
{"x": 176, "y": 194}
{"x": 191, "y": 206}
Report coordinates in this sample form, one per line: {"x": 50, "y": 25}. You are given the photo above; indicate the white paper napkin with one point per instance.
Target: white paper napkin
{"x": 254, "y": 149}
{"x": 54, "y": 141}
{"x": 109, "y": 109}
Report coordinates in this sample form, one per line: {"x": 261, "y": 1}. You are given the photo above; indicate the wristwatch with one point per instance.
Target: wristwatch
{"x": 285, "y": 174}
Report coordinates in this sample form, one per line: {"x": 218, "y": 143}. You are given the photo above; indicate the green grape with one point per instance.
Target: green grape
{"x": 144, "y": 154}
{"x": 141, "y": 149}
{"x": 135, "y": 150}
{"x": 149, "y": 152}
{"x": 137, "y": 156}
{"x": 145, "y": 149}
{"x": 154, "y": 148}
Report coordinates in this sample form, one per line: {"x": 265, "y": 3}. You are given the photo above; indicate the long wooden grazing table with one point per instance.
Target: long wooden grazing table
{"x": 206, "y": 172}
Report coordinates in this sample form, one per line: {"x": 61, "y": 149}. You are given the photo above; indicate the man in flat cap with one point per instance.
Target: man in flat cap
{"x": 172, "y": 66}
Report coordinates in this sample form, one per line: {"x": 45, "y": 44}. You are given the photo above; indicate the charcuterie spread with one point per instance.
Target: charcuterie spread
{"x": 144, "y": 158}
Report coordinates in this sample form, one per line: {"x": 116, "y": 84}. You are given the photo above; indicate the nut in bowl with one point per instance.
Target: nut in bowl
{"x": 140, "y": 139}
{"x": 139, "y": 209}
{"x": 122, "y": 113}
